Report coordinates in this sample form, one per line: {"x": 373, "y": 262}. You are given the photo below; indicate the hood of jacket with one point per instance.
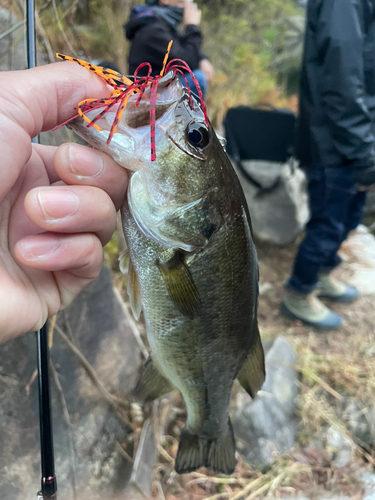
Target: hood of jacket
{"x": 142, "y": 15}
{"x": 139, "y": 17}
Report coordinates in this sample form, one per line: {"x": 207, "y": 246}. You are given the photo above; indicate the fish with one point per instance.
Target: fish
{"x": 191, "y": 264}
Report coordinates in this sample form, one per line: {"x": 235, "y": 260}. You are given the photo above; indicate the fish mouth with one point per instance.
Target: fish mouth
{"x": 130, "y": 144}
{"x": 174, "y": 109}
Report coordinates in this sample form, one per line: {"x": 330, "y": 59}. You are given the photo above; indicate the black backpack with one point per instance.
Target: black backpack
{"x": 260, "y": 134}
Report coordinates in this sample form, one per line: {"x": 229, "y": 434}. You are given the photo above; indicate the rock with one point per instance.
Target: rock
{"x": 280, "y": 215}
{"x": 339, "y": 447}
{"x": 358, "y": 253}
{"x": 267, "y": 426}
{"x": 86, "y": 451}
{"x": 369, "y": 480}
{"x": 141, "y": 479}
{"x": 359, "y": 421}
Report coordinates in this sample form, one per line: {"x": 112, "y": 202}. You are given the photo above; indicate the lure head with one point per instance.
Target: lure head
{"x": 175, "y": 123}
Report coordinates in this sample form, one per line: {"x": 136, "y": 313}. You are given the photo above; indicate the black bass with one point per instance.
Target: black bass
{"x": 192, "y": 266}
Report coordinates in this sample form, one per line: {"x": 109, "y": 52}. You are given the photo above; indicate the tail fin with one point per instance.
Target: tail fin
{"x": 218, "y": 454}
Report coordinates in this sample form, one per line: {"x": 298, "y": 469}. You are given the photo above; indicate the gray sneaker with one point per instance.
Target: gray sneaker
{"x": 333, "y": 289}
{"x": 310, "y": 310}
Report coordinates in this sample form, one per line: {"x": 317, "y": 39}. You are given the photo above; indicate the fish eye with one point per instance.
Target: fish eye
{"x": 198, "y": 135}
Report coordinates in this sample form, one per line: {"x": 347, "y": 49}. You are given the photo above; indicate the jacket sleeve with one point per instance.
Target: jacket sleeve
{"x": 186, "y": 47}
{"x": 340, "y": 34}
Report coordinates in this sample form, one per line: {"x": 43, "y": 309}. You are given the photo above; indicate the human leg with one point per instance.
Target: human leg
{"x": 332, "y": 202}
{"x": 355, "y": 212}
{"x": 331, "y": 288}
{"x": 331, "y": 192}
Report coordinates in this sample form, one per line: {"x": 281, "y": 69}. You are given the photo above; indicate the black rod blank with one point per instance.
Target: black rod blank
{"x": 48, "y": 482}
{"x": 30, "y": 34}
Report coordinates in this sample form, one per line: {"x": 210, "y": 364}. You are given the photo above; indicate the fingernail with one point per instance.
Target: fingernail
{"x": 57, "y": 203}
{"x": 84, "y": 162}
{"x": 35, "y": 247}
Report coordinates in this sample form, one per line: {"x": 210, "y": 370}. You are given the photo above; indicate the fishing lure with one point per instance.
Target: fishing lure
{"x": 124, "y": 87}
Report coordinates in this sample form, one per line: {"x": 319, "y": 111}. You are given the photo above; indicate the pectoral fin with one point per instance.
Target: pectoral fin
{"x": 133, "y": 289}
{"x": 134, "y": 292}
{"x": 152, "y": 384}
{"x": 124, "y": 261}
{"x": 179, "y": 283}
{"x": 253, "y": 373}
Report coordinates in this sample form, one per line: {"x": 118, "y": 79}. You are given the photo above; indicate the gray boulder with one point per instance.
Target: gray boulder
{"x": 360, "y": 421}
{"x": 358, "y": 253}
{"x": 339, "y": 447}
{"x": 266, "y": 427}
{"x": 369, "y": 480}
{"x": 280, "y": 215}
{"x": 88, "y": 431}
{"x": 140, "y": 483}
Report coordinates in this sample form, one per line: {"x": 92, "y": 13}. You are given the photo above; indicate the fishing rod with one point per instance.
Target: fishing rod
{"x": 48, "y": 482}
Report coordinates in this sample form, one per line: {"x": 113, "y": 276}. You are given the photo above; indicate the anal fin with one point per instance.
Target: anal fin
{"x": 253, "y": 373}
{"x": 152, "y": 384}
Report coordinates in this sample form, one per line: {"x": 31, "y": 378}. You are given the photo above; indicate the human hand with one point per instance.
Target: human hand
{"x": 364, "y": 177}
{"x": 366, "y": 188}
{"x": 192, "y": 15}
{"x": 208, "y": 70}
{"x": 57, "y": 205}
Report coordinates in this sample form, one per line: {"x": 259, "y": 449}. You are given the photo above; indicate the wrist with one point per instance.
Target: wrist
{"x": 363, "y": 173}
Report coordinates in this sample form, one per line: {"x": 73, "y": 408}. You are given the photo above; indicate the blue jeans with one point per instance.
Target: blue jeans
{"x": 199, "y": 75}
{"x": 336, "y": 208}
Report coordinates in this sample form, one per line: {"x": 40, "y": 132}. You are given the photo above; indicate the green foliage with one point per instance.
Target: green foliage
{"x": 287, "y": 56}
{"x": 239, "y": 39}
{"x": 247, "y": 41}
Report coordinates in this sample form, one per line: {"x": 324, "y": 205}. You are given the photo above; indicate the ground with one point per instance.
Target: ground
{"x": 337, "y": 368}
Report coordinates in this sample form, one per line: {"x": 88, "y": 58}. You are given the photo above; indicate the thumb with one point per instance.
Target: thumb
{"x": 36, "y": 100}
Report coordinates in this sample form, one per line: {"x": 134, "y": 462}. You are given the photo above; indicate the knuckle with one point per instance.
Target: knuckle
{"x": 108, "y": 210}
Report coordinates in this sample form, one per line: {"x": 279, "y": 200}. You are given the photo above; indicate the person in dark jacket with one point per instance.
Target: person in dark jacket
{"x": 150, "y": 29}
{"x": 336, "y": 146}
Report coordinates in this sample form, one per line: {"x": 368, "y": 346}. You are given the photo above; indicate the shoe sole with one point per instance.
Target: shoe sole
{"x": 290, "y": 315}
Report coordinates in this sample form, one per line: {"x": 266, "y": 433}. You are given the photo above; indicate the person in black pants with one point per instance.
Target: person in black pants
{"x": 151, "y": 28}
{"x": 336, "y": 147}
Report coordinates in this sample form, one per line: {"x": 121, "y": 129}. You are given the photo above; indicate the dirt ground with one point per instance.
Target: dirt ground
{"x": 336, "y": 367}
